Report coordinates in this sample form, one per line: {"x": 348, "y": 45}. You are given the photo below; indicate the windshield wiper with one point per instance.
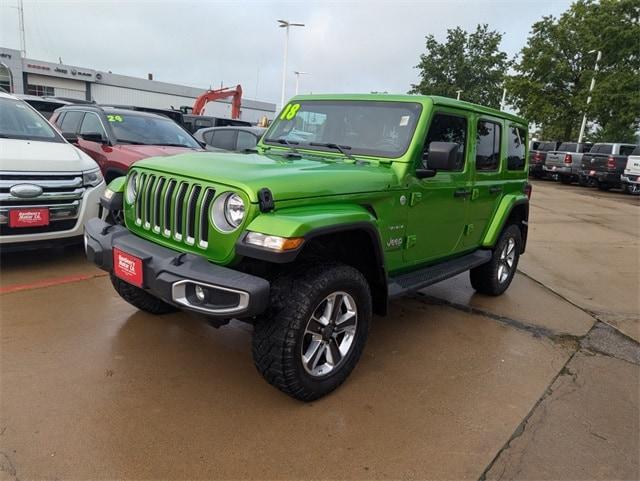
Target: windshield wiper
{"x": 177, "y": 145}
{"x": 289, "y": 143}
{"x": 330, "y": 145}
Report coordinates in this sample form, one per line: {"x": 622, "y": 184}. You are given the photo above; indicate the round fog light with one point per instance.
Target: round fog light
{"x": 200, "y": 293}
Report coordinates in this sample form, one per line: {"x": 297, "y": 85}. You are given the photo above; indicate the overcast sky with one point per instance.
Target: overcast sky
{"x": 346, "y": 46}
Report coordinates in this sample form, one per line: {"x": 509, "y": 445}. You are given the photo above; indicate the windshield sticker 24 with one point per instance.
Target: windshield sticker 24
{"x": 289, "y": 112}
{"x": 114, "y": 118}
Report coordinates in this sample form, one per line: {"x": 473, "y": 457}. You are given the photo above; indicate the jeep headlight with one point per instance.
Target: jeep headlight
{"x": 227, "y": 211}
{"x": 91, "y": 178}
{"x": 132, "y": 188}
{"x": 234, "y": 210}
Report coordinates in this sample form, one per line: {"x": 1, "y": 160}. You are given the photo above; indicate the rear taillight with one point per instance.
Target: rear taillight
{"x": 537, "y": 156}
{"x": 611, "y": 162}
{"x": 527, "y": 190}
{"x": 567, "y": 158}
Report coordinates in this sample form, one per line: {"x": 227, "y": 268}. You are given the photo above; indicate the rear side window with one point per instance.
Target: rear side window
{"x": 487, "y": 146}
{"x": 224, "y": 139}
{"x": 447, "y": 128}
{"x": 71, "y": 122}
{"x": 516, "y": 150}
{"x": 626, "y": 149}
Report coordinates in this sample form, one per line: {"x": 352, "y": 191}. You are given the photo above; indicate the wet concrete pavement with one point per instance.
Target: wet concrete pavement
{"x": 452, "y": 385}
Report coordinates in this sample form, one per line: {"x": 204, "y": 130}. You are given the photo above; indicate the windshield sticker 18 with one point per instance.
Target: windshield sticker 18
{"x": 290, "y": 112}
{"x": 114, "y": 118}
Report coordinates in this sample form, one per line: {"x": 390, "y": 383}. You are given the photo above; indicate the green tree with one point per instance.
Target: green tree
{"x": 471, "y": 62}
{"x": 552, "y": 77}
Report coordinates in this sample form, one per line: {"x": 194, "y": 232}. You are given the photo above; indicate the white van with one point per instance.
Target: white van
{"x": 48, "y": 187}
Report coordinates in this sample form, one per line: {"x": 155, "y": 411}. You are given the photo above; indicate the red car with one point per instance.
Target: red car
{"x": 116, "y": 138}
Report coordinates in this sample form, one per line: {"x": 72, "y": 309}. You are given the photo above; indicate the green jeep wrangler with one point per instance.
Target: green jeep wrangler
{"x": 348, "y": 201}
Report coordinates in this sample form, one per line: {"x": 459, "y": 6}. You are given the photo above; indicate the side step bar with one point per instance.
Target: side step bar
{"x": 412, "y": 281}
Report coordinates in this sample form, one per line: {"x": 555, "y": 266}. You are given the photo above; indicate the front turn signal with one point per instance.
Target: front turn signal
{"x": 273, "y": 242}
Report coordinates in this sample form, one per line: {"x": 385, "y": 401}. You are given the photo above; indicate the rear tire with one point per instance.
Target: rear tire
{"x": 295, "y": 342}
{"x": 494, "y": 277}
{"x": 140, "y": 298}
{"x": 565, "y": 179}
{"x": 603, "y": 186}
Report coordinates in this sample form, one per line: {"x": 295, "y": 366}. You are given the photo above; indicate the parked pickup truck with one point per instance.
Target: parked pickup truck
{"x": 538, "y": 158}
{"x": 565, "y": 163}
{"x": 306, "y": 239}
{"x": 604, "y": 164}
{"x": 631, "y": 176}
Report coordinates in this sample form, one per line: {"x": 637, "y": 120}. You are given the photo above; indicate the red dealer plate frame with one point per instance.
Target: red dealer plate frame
{"x": 36, "y": 217}
{"x": 128, "y": 267}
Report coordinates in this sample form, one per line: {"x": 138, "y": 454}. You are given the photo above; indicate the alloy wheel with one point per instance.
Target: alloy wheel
{"x": 507, "y": 258}
{"x": 329, "y": 334}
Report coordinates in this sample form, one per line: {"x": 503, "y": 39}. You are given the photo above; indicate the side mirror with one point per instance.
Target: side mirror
{"x": 94, "y": 137}
{"x": 443, "y": 156}
{"x": 425, "y": 173}
{"x": 69, "y": 137}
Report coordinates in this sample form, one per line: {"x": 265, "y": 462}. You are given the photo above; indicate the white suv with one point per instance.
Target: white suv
{"x": 48, "y": 188}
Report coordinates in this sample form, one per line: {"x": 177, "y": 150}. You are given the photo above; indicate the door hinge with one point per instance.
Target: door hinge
{"x": 411, "y": 241}
{"x": 468, "y": 229}
{"x": 475, "y": 193}
{"x": 415, "y": 198}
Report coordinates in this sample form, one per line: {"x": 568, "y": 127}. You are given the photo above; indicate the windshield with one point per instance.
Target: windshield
{"x": 147, "y": 130}
{"x": 19, "y": 121}
{"x": 377, "y": 128}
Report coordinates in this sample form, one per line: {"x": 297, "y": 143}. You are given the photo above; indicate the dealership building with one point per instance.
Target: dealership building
{"x": 22, "y": 75}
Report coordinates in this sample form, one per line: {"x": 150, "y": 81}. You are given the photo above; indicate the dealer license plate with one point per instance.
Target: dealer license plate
{"x": 28, "y": 217}
{"x": 127, "y": 267}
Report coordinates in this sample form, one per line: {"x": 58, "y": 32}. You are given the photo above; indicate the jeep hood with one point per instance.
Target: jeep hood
{"x": 287, "y": 178}
{"x": 37, "y": 156}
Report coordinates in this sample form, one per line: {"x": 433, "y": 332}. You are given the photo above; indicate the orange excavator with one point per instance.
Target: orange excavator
{"x": 222, "y": 93}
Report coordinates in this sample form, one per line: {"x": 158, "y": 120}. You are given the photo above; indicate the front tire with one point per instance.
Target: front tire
{"x": 140, "y": 298}
{"x": 315, "y": 331}
{"x": 494, "y": 277}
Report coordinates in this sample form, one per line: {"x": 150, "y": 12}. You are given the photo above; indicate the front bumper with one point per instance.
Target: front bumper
{"x": 87, "y": 208}
{"x": 172, "y": 276}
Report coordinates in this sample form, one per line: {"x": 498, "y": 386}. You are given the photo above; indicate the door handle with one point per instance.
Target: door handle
{"x": 462, "y": 193}
{"x": 495, "y": 190}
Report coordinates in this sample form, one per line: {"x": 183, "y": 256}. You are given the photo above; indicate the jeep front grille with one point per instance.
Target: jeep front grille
{"x": 175, "y": 209}
{"x": 62, "y": 195}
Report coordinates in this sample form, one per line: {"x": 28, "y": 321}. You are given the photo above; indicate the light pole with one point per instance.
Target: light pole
{"x": 504, "y": 98}
{"x": 593, "y": 83}
{"x": 286, "y": 24}
{"x": 297, "y": 74}
{"x": 459, "y": 91}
